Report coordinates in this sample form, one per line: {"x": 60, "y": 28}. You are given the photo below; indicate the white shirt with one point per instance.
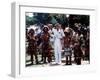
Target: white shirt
{"x": 58, "y": 34}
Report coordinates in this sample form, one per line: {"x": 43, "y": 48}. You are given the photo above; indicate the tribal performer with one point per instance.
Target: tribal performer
{"x": 32, "y": 46}
{"x": 67, "y": 47}
{"x": 45, "y": 45}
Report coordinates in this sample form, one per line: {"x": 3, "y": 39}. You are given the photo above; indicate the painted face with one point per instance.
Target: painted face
{"x": 67, "y": 33}
{"x": 45, "y": 29}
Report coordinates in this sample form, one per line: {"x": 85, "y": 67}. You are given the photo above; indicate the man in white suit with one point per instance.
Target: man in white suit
{"x": 58, "y": 35}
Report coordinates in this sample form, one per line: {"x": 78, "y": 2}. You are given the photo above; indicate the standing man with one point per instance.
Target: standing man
{"x": 32, "y": 46}
{"x": 58, "y": 35}
{"x": 45, "y": 45}
{"x": 77, "y": 53}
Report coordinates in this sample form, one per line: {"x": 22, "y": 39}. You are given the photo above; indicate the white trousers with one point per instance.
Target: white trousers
{"x": 57, "y": 50}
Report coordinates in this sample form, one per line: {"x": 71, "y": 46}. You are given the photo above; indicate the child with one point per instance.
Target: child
{"x": 67, "y": 48}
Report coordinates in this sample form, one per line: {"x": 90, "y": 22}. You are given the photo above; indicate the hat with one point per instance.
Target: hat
{"x": 50, "y": 25}
{"x": 45, "y": 27}
{"x": 66, "y": 29}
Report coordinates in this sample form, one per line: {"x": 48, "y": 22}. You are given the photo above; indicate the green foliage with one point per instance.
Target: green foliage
{"x": 45, "y": 18}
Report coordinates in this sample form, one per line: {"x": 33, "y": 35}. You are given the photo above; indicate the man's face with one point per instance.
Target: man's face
{"x": 45, "y": 29}
{"x": 57, "y": 27}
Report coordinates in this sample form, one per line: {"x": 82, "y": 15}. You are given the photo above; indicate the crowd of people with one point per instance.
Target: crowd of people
{"x": 52, "y": 43}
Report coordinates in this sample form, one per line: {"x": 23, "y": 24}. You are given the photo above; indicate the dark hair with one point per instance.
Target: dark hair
{"x": 45, "y": 28}
{"x": 67, "y": 33}
{"x": 31, "y": 31}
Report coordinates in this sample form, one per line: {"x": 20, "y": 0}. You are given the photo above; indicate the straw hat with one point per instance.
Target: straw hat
{"x": 45, "y": 26}
{"x": 67, "y": 29}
